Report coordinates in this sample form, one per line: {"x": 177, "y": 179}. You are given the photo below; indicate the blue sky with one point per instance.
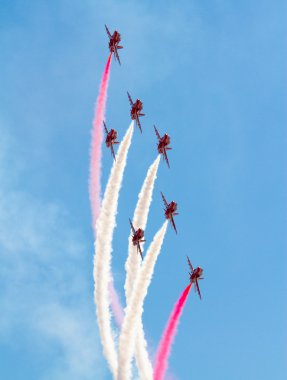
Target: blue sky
{"x": 213, "y": 76}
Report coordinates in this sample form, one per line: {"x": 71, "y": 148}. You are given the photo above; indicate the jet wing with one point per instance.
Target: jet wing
{"x": 165, "y": 157}
{"x": 139, "y": 124}
{"x": 113, "y": 152}
{"x": 117, "y": 55}
{"x": 106, "y": 129}
{"x": 173, "y": 224}
{"x": 108, "y": 32}
{"x": 197, "y": 289}
{"x": 164, "y": 200}
{"x": 156, "y": 132}
{"x": 189, "y": 263}
{"x": 130, "y": 99}
{"x": 140, "y": 251}
{"x": 132, "y": 227}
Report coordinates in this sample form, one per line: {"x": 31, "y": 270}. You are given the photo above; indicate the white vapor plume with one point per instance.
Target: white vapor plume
{"x": 134, "y": 309}
{"x": 133, "y": 266}
{"x": 105, "y": 225}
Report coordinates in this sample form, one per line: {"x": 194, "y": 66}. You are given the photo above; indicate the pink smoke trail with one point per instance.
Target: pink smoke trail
{"x": 96, "y": 144}
{"x": 117, "y": 308}
{"x": 164, "y": 348}
{"x": 95, "y": 170}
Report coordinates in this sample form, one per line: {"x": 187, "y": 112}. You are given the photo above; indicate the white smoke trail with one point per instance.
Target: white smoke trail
{"x": 139, "y": 221}
{"x": 145, "y": 369}
{"x": 133, "y": 265}
{"x": 134, "y": 308}
{"x": 105, "y": 225}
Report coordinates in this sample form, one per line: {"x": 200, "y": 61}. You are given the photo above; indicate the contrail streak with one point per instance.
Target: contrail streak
{"x": 134, "y": 308}
{"x": 133, "y": 266}
{"x": 164, "y": 348}
{"x": 96, "y": 144}
{"x": 103, "y": 248}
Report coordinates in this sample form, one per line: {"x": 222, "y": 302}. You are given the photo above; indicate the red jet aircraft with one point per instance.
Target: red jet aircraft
{"x": 162, "y": 145}
{"x": 111, "y": 139}
{"x": 136, "y": 111}
{"x": 194, "y": 276}
{"x": 137, "y": 238}
{"x": 170, "y": 211}
{"x": 114, "y": 43}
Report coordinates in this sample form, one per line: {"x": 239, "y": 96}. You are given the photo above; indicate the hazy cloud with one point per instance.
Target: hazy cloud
{"x": 46, "y": 280}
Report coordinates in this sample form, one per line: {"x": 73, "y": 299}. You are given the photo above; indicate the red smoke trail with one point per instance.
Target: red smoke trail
{"x": 96, "y": 144}
{"x": 164, "y": 348}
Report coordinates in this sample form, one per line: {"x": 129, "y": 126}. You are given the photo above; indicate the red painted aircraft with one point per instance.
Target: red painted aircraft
{"x": 194, "y": 276}
{"x": 170, "y": 211}
{"x": 162, "y": 145}
{"x": 111, "y": 139}
{"x": 137, "y": 238}
{"x": 114, "y": 43}
{"x": 136, "y": 111}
